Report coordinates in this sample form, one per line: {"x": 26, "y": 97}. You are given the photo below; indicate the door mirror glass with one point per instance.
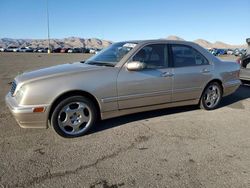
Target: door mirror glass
{"x": 135, "y": 66}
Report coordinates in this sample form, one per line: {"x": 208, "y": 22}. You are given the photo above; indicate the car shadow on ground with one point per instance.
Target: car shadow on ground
{"x": 122, "y": 120}
{"x": 242, "y": 93}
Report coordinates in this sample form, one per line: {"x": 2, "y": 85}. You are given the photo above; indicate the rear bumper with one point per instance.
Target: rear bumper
{"x": 25, "y": 116}
{"x": 231, "y": 87}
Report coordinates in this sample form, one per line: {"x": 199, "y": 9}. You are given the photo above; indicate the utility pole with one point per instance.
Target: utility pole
{"x": 47, "y": 5}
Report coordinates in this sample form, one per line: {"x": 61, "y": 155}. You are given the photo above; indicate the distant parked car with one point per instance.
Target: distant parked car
{"x": 218, "y": 52}
{"x": 71, "y": 50}
{"x": 22, "y": 49}
{"x": 87, "y": 50}
{"x": 29, "y": 49}
{"x": 77, "y": 50}
{"x": 97, "y": 51}
{"x": 221, "y": 52}
{"x": 35, "y": 49}
{"x": 243, "y": 52}
{"x": 240, "y": 52}
{"x": 236, "y": 52}
{"x": 25, "y": 49}
{"x": 127, "y": 77}
{"x": 92, "y": 51}
{"x": 213, "y": 51}
{"x": 64, "y": 50}
{"x": 230, "y": 52}
{"x": 42, "y": 50}
{"x": 2, "y": 49}
{"x": 12, "y": 49}
{"x": 57, "y": 50}
{"x": 245, "y": 65}
{"x": 245, "y": 69}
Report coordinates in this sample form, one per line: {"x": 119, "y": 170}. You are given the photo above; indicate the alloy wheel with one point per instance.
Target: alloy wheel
{"x": 212, "y": 96}
{"x": 74, "y": 118}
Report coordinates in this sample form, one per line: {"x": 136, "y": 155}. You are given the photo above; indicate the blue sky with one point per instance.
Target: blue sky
{"x": 116, "y": 20}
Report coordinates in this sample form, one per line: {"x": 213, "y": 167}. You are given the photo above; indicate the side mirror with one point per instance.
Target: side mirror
{"x": 135, "y": 65}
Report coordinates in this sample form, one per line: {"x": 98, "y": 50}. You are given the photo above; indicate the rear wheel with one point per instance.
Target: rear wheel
{"x": 211, "y": 96}
{"x": 74, "y": 116}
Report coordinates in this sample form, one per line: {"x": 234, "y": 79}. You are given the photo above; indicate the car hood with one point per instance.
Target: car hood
{"x": 58, "y": 70}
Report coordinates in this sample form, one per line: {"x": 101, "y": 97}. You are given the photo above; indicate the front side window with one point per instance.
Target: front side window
{"x": 154, "y": 56}
{"x": 184, "y": 56}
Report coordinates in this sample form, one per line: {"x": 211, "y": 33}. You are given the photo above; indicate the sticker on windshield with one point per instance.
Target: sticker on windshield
{"x": 129, "y": 45}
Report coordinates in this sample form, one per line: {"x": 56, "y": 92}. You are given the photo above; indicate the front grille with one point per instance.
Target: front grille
{"x": 13, "y": 88}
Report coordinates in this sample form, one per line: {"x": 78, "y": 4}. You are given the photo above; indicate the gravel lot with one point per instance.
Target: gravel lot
{"x": 178, "y": 147}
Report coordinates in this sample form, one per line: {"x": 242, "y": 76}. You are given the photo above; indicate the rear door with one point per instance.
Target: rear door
{"x": 191, "y": 72}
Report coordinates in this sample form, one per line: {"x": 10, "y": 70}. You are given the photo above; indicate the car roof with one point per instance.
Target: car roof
{"x": 160, "y": 41}
{"x": 141, "y": 43}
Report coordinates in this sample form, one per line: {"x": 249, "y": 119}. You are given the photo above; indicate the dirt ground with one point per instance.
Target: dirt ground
{"x": 178, "y": 147}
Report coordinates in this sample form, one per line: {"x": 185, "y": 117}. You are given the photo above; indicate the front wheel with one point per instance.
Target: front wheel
{"x": 74, "y": 116}
{"x": 211, "y": 96}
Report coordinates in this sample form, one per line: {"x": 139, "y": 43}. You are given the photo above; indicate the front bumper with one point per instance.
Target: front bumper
{"x": 25, "y": 116}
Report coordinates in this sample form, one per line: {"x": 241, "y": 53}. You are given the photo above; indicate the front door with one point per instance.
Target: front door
{"x": 150, "y": 86}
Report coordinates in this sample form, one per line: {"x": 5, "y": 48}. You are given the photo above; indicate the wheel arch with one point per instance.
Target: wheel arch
{"x": 213, "y": 80}
{"x": 67, "y": 94}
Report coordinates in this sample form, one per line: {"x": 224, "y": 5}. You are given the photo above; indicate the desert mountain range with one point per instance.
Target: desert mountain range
{"x": 207, "y": 44}
{"x": 74, "y": 42}
{"x": 71, "y": 42}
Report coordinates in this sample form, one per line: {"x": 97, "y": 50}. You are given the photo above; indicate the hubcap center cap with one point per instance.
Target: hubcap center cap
{"x": 75, "y": 119}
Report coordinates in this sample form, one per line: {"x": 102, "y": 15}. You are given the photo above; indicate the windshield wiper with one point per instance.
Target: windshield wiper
{"x": 101, "y": 64}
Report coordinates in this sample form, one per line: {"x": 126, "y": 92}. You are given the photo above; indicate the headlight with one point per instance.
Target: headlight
{"x": 20, "y": 93}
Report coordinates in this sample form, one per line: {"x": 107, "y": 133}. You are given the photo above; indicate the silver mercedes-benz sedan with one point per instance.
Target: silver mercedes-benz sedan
{"x": 127, "y": 77}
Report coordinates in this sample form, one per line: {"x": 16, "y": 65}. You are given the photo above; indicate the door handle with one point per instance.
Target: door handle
{"x": 205, "y": 70}
{"x": 167, "y": 74}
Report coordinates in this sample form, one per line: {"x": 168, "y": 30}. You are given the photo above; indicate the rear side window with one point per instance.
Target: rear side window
{"x": 155, "y": 56}
{"x": 184, "y": 56}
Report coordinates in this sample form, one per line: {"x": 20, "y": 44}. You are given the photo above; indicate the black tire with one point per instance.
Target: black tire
{"x": 204, "y": 104}
{"x": 89, "y": 110}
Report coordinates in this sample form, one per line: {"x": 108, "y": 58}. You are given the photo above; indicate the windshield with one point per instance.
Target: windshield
{"x": 111, "y": 55}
